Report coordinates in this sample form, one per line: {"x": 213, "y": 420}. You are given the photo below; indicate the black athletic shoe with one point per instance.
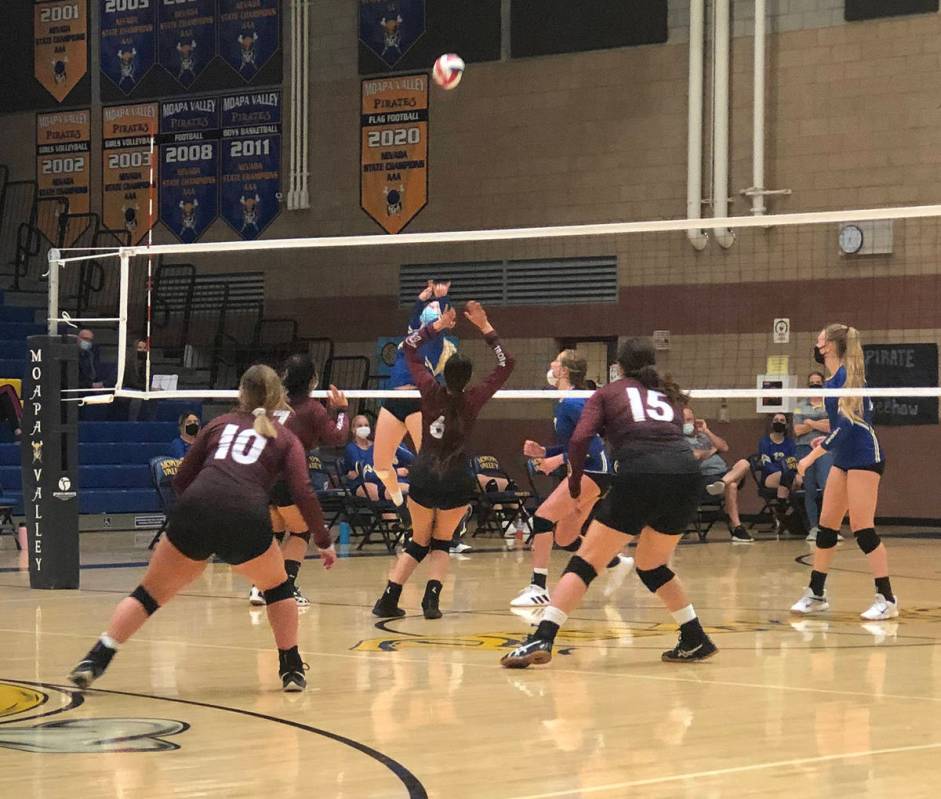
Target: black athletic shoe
{"x": 293, "y": 682}
{"x": 385, "y": 608}
{"x": 429, "y": 603}
{"x": 535, "y": 650}
{"x": 687, "y": 653}
{"x": 92, "y": 666}
{"x": 741, "y": 536}
{"x": 405, "y": 516}
{"x": 291, "y": 670}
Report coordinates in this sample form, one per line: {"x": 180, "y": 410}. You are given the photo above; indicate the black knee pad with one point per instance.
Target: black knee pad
{"x": 655, "y": 579}
{"x": 143, "y": 596}
{"x": 439, "y": 545}
{"x": 279, "y": 537}
{"x": 305, "y": 536}
{"x": 280, "y": 592}
{"x": 578, "y": 565}
{"x": 867, "y": 540}
{"x": 541, "y": 525}
{"x": 417, "y": 551}
{"x": 574, "y": 546}
{"x": 827, "y": 538}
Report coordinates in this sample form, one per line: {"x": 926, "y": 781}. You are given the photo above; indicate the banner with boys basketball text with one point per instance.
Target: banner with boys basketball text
{"x": 126, "y": 190}
{"x": 63, "y": 169}
{"x": 60, "y": 29}
{"x": 394, "y": 149}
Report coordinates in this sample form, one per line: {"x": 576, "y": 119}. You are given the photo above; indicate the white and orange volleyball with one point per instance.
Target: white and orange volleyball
{"x": 448, "y": 71}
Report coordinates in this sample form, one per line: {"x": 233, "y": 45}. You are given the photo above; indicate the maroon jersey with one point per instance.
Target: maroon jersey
{"x": 250, "y": 464}
{"x": 313, "y": 425}
{"x": 632, "y": 417}
{"x": 434, "y": 395}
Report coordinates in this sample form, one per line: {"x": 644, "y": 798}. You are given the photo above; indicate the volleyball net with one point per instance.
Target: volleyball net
{"x": 733, "y": 305}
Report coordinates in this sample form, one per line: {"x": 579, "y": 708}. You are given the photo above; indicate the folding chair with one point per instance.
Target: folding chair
{"x": 499, "y": 501}
{"x": 329, "y": 493}
{"x": 7, "y": 504}
{"x": 769, "y": 496}
{"x": 162, "y": 471}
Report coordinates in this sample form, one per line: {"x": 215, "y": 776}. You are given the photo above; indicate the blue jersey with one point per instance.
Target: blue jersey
{"x": 361, "y": 461}
{"x": 567, "y": 414}
{"x": 854, "y": 444}
{"x": 777, "y": 457}
{"x": 435, "y": 351}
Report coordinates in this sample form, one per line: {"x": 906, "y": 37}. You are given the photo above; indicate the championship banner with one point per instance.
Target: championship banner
{"x": 249, "y": 34}
{"x": 186, "y": 37}
{"x": 390, "y": 28}
{"x": 189, "y": 166}
{"x": 394, "y": 152}
{"x": 126, "y": 168}
{"x": 128, "y": 41}
{"x": 60, "y": 29}
{"x": 251, "y": 161}
{"x": 63, "y": 169}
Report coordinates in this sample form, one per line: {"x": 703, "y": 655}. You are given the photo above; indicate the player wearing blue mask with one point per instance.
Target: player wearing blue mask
{"x": 853, "y": 482}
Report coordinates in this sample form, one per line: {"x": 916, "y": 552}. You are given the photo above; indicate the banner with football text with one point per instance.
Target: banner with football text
{"x": 63, "y": 169}
{"x": 251, "y": 161}
{"x": 60, "y": 30}
{"x": 394, "y": 149}
{"x": 128, "y": 41}
{"x": 189, "y": 166}
{"x": 126, "y": 190}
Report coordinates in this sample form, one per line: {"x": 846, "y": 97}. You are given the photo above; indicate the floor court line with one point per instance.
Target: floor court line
{"x": 383, "y": 658}
{"x": 721, "y": 772}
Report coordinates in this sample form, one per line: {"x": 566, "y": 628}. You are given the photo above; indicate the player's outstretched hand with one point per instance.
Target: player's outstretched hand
{"x": 476, "y": 314}
{"x": 441, "y": 288}
{"x": 446, "y": 321}
{"x": 328, "y": 556}
{"x": 428, "y": 292}
{"x": 531, "y": 449}
{"x": 338, "y": 399}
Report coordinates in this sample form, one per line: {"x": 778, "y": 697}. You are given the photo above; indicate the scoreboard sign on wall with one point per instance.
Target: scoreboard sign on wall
{"x": 394, "y": 149}
{"x": 60, "y": 51}
{"x": 126, "y": 168}
{"x": 63, "y": 142}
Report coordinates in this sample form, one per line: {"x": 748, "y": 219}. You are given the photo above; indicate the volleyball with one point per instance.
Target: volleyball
{"x": 448, "y": 71}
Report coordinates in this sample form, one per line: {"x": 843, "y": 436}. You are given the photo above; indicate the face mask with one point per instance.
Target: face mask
{"x": 688, "y": 428}
{"x": 814, "y": 385}
{"x": 362, "y": 432}
{"x": 779, "y": 427}
{"x": 430, "y": 314}
{"x": 84, "y": 344}
{"x": 551, "y": 379}
{"x": 192, "y": 429}
{"x": 818, "y": 355}
{"x": 142, "y": 356}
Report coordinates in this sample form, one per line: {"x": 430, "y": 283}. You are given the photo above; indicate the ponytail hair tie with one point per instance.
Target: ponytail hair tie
{"x": 259, "y": 412}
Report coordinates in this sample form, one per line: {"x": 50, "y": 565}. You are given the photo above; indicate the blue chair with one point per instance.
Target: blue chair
{"x": 163, "y": 469}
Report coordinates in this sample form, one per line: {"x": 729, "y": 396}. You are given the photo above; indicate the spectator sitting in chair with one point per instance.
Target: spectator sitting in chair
{"x": 189, "y": 428}
{"x": 810, "y": 422}
{"x": 706, "y": 446}
{"x": 135, "y": 379}
{"x": 778, "y": 471}
{"x": 360, "y": 469}
{"x": 89, "y": 360}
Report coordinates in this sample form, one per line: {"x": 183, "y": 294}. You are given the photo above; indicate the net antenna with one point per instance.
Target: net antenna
{"x": 786, "y": 249}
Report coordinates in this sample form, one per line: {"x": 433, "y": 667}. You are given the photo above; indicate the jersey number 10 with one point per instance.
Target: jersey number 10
{"x": 245, "y": 449}
{"x": 657, "y": 408}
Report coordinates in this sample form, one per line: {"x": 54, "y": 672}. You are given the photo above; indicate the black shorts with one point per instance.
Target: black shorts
{"x": 600, "y": 479}
{"x": 401, "y": 409}
{"x": 236, "y": 533}
{"x": 665, "y": 499}
{"x": 875, "y": 468}
{"x": 441, "y": 491}
{"x": 281, "y": 495}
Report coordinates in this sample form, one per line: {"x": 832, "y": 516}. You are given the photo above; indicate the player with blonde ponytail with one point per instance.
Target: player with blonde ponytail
{"x": 853, "y": 482}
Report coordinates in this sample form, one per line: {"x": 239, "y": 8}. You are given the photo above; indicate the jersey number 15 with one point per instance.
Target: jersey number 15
{"x": 657, "y": 408}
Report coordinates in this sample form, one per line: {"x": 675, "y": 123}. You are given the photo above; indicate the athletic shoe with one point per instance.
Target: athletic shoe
{"x": 302, "y": 601}
{"x": 716, "y": 489}
{"x": 459, "y": 548}
{"x": 617, "y": 575}
{"x": 429, "y": 602}
{"x": 256, "y": 597}
{"x": 386, "y": 609}
{"x": 808, "y": 603}
{"x": 812, "y": 534}
{"x": 687, "y": 653}
{"x": 531, "y": 596}
{"x": 92, "y": 666}
{"x": 881, "y": 609}
{"x": 291, "y": 670}
{"x": 741, "y": 536}
{"x": 535, "y": 651}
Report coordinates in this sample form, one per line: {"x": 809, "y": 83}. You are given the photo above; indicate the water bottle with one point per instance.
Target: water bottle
{"x": 344, "y": 539}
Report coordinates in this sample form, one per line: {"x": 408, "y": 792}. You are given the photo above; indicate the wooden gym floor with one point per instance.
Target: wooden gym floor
{"x": 823, "y": 707}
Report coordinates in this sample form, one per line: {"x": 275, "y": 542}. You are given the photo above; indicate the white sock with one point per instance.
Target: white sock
{"x": 108, "y": 641}
{"x": 684, "y": 615}
{"x": 554, "y": 615}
